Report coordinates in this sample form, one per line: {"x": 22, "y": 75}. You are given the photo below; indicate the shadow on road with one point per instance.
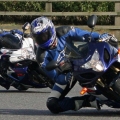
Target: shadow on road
{"x": 17, "y": 91}
{"x": 84, "y": 112}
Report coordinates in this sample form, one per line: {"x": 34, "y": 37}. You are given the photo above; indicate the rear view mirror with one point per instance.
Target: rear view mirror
{"x": 92, "y": 20}
{"x": 52, "y": 65}
{"x": 26, "y": 26}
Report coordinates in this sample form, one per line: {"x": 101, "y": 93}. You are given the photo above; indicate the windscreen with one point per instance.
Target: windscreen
{"x": 76, "y": 49}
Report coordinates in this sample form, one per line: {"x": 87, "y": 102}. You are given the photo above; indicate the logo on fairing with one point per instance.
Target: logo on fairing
{"x": 60, "y": 56}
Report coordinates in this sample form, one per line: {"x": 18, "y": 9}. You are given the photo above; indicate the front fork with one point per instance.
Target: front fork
{"x": 104, "y": 94}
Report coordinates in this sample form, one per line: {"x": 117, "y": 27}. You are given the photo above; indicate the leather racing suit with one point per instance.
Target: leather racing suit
{"x": 57, "y": 102}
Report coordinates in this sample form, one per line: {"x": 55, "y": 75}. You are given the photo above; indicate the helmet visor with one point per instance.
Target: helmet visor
{"x": 43, "y": 36}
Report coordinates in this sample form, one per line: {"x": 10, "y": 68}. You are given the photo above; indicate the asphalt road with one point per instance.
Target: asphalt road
{"x": 31, "y": 105}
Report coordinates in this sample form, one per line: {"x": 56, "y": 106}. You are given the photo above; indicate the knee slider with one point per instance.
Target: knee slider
{"x": 53, "y": 105}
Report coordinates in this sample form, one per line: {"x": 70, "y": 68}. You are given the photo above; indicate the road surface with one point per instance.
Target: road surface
{"x": 31, "y": 105}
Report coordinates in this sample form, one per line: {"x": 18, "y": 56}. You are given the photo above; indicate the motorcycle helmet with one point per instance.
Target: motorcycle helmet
{"x": 43, "y": 32}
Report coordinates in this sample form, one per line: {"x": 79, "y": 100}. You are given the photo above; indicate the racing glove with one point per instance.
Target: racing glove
{"x": 105, "y": 37}
{"x": 111, "y": 39}
{"x": 64, "y": 79}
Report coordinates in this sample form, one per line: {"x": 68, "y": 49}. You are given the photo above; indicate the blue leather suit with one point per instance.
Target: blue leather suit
{"x": 57, "y": 54}
{"x": 57, "y": 102}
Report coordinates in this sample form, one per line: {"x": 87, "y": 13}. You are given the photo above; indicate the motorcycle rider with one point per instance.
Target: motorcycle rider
{"x": 51, "y": 44}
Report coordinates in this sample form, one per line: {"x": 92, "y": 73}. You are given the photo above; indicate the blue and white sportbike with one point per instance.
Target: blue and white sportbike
{"x": 96, "y": 66}
{"x": 18, "y": 67}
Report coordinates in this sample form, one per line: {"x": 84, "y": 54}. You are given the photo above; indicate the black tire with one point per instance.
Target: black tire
{"x": 20, "y": 88}
{"x": 42, "y": 79}
{"x": 40, "y": 75}
{"x": 116, "y": 86}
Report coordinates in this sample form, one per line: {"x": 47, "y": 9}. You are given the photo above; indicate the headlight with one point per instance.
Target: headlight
{"x": 94, "y": 63}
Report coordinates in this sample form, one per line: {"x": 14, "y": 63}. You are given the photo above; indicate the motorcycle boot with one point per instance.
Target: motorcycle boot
{"x": 4, "y": 83}
{"x": 86, "y": 101}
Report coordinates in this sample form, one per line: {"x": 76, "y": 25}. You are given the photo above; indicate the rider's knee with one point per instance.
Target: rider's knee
{"x": 53, "y": 105}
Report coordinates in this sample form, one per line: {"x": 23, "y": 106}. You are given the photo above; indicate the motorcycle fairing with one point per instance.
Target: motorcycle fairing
{"x": 107, "y": 55}
{"x": 27, "y": 51}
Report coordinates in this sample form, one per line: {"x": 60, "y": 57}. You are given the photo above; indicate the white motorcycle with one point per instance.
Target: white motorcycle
{"x": 20, "y": 68}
